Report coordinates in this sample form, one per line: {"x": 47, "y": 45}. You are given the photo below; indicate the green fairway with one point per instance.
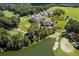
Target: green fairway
{"x": 61, "y": 24}
{"x": 43, "y": 48}
{"x": 69, "y": 11}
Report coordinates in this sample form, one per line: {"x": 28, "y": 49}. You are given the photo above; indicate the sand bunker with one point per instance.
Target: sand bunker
{"x": 66, "y": 46}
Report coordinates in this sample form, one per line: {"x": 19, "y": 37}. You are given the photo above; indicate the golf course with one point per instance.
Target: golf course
{"x": 52, "y": 45}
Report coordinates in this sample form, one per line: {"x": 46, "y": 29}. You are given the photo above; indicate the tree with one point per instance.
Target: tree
{"x": 9, "y": 23}
{"x": 61, "y": 17}
{"x": 24, "y": 9}
{"x": 17, "y": 41}
{"x": 26, "y": 41}
{"x": 29, "y": 36}
{"x": 34, "y": 27}
{"x": 58, "y": 12}
{"x": 72, "y": 26}
{"x": 15, "y": 21}
{"x": 1, "y": 13}
{"x": 45, "y": 31}
{"x": 5, "y": 39}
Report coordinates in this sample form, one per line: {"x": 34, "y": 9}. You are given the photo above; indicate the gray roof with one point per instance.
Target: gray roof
{"x": 47, "y": 22}
{"x": 50, "y": 27}
{"x": 40, "y": 16}
{"x": 45, "y": 13}
{"x": 37, "y": 17}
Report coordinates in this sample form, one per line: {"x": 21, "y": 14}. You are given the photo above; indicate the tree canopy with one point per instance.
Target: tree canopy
{"x": 58, "y": 12}
{"x": 72, "y": 26}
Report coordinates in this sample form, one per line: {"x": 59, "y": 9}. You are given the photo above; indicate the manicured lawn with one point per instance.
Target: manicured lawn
{"x": 43, "y": 48}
